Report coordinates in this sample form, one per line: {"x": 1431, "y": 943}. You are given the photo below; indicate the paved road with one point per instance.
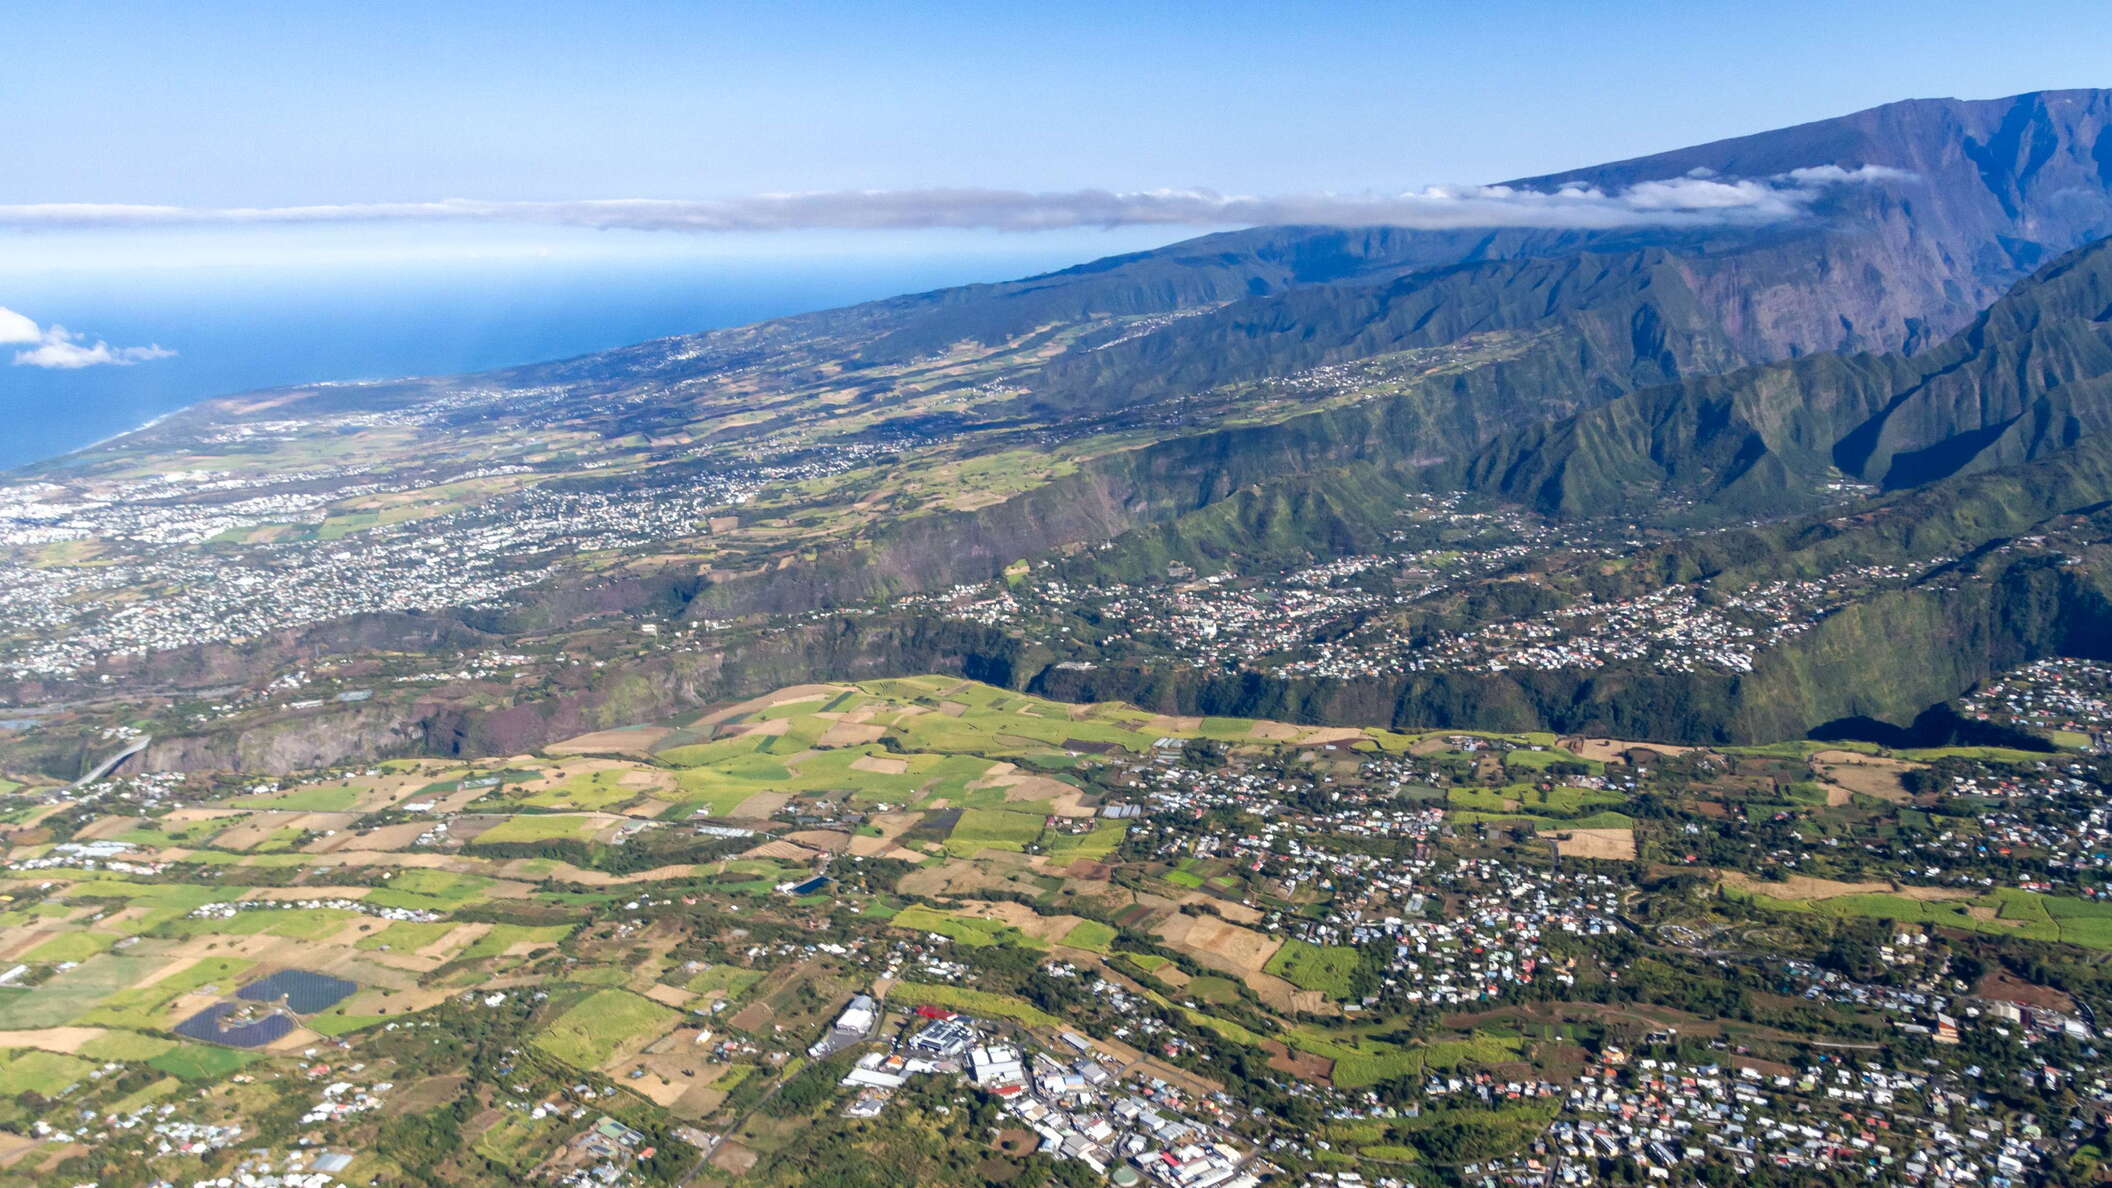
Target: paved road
{"x": 108, "y": 765}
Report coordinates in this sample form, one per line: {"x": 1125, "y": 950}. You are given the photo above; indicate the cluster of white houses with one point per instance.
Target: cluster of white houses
{"x": 1074, "y": 1097}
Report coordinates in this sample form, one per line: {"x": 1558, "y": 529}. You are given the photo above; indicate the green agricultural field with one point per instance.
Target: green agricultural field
{"x": 843, "y": 702}
{"x": 35, "y": 1071}
{"x": 539, "y": 827}
{"x": 1096, "y": 846}
{"x": 801, "y": 735}
{"x": 968, "y": 930}
{"x": 734, "y": 1075}
{"x": 435, "y": 890}
{"x": 589, "y": 790}
{"x": 1358, "y": 1063}
{"x": 731, "y": 980}
{"x": 590, "y": 1033}
{"x": 1227, "y": 729}
{"x": 335, "y": 1022}
{"x": 341, "y": 526}
{"x": 203, "y": 1062}
{"x": 70, "y": 946}
{"x": 1225, "y": 1028}
{"x": 405, "y": 936}
{"x": 760, "y": 767}
{"x": 516, "y": 1140}
{"x": 259, "y": 861}
{"x": 1599, "y": 820}
{"x": 1325, "y": 968}
{"x": 942, "y": 732}
{"x": 146, "y": 1096}
{"x": 993, "y": 721}
{"x": 74, "y": 993}
{"x": 1563, "y": 800}
{"x": 720, "y": 786}
{"x": 1480, "y": 800}
{"x": 144, "y": 1006}
{"x": 291, "y": 923}
{"x": 940, "y": 777}
{"x": 126, "y": 1045}
{"x": 1090, "y": 934}
{"x": 1528, "y": 802}
{"x": 1010, "y": 734}
{"x": 1532, "y": 761}
{"x": 755, "y": 876}
{"x": 1800, "y": 748}
{"x": 712, "y": 791}
{"x": 1479, "y": 1050}
{"x": 979, "y": 1003}
{"x": 2016, "y": 913}
{"x": 1984, "y": 754}
{"x": 326, "y": 798}
{"x": 163, "y": 901}
{"x": 718, "y": 751}
{"x": 504, "y": 936}
{"x": 1354, "y": 1131}
{"x": 192, "y": 833}
{"x": 992, "y": 829}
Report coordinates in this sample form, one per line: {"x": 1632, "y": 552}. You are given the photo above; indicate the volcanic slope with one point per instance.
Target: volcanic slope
{"x": 1268, "y": 397}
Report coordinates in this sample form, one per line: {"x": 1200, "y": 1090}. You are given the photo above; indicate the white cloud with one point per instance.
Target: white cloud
{"x": 60, "y": 349}
{"x": 1698, "y": 199}
{"x": 1822, "y": 175}
{"x": 14, "y": 328}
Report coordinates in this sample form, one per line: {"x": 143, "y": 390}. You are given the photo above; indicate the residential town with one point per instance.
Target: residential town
{"x": 1139, "y": 948}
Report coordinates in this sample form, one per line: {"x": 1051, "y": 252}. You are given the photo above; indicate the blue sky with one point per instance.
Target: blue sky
{"x": 221, "y": 103}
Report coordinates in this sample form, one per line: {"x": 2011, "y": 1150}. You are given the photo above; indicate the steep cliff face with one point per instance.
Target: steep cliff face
{"x": 618, "y": 695}
{"x": 1964, "y": 638}
{"x": 293, "y": 743}
{"x": 1849, "y": 668}
{"x": 2000, "y": 186}
{"x": 1605, "y": 323}
{"x": 2034, "y": 167}
{"x": 1984, "y": 193}
{"x": 2032, "y": 376}
{"x": 1997, "y": 188}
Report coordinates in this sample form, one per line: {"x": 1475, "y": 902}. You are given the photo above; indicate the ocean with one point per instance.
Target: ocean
{"x": 239, "y": 330}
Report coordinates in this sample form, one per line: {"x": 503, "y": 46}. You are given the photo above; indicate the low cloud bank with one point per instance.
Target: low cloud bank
{"x": 57, "y": 348}
{"x": 1698, "y": 199}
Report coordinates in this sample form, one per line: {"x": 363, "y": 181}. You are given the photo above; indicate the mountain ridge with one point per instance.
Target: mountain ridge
{"x": 1258, "y": 403}
{"x": 1879, "y": 268}
{"x": 2032, "y": 374}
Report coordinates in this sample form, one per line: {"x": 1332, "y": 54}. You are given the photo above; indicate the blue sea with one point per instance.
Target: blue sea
{"x": 242, "y": 329}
